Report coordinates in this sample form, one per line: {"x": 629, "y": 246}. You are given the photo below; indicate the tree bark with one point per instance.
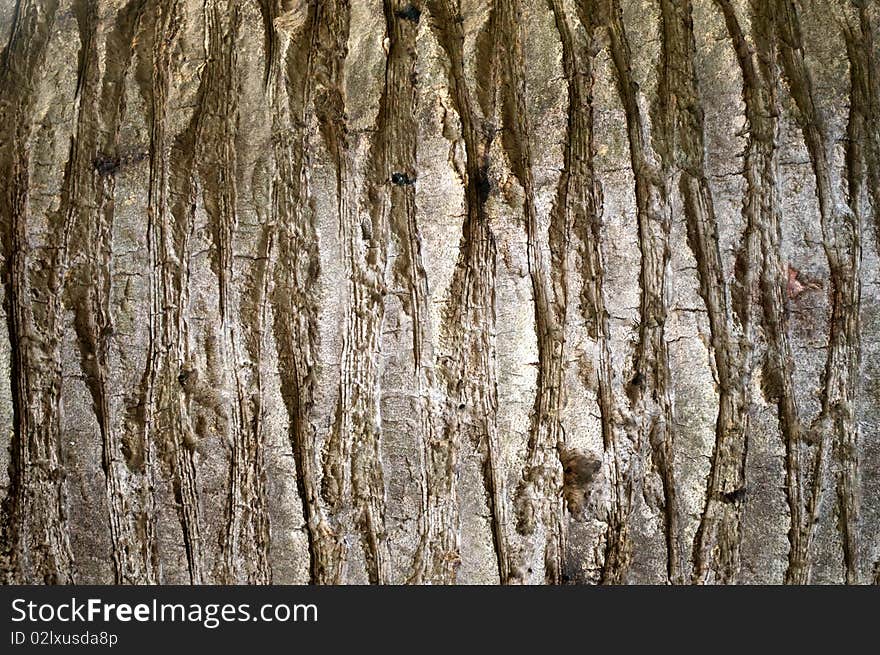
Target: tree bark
{"x": 440, "y": 291}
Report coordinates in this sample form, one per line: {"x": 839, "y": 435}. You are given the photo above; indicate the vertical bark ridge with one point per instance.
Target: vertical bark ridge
{"x": 390, "y": 205}
{"x": 367, "y": 235}
{"x": 128, "y": 459}
{"x": 835, "y": 424}
{"x": 577, "y": 216}
{"x": 272, "y": 46}
{"x": 35, "y": 533}
{"x": 863, "y": 173}
{"x": 762, "y": 214}
{"x": 867, "y": 90}
{"x": 649, "y": 388}
{"x": 538, "y": 502}
{"x": 467, "y": 367}
{"x": 91, "y": 189}
{"x": 353, "y": 482}
{"x": 134, "y": 509}
{"x": 846, "y": 450}
{"x": 390, "y": 200}
{"x": 166, "y": 390}
{"x": 437, "y": 554}
{"x": 294, "y": 300}
{"x": 213, "y": 131}
{"x": 680, "y": 112}
{"x": 401, "y": 21}
{"x": 330, "y": 49}
{"x": 587, "y": 205}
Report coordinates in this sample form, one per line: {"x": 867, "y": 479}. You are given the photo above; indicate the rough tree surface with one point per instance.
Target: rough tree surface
{"x": 440, "y": 291}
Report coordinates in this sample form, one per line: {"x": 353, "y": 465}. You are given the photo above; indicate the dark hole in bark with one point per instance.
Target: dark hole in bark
{"x": 401, "y": 179}
{"x": 634, "y": 387}
{"x": 489, "y": 132}
{"x": 409, "y": 13}
{"x": 106, "y": 165}
{"x": 734, "y": 496}
{"x": 484, "y": 186}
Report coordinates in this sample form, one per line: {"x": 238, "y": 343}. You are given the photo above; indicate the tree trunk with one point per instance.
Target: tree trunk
{"x": 440, "y": 291}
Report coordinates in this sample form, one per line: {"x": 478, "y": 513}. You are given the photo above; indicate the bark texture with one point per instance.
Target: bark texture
{"x": 440, "y": 291}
